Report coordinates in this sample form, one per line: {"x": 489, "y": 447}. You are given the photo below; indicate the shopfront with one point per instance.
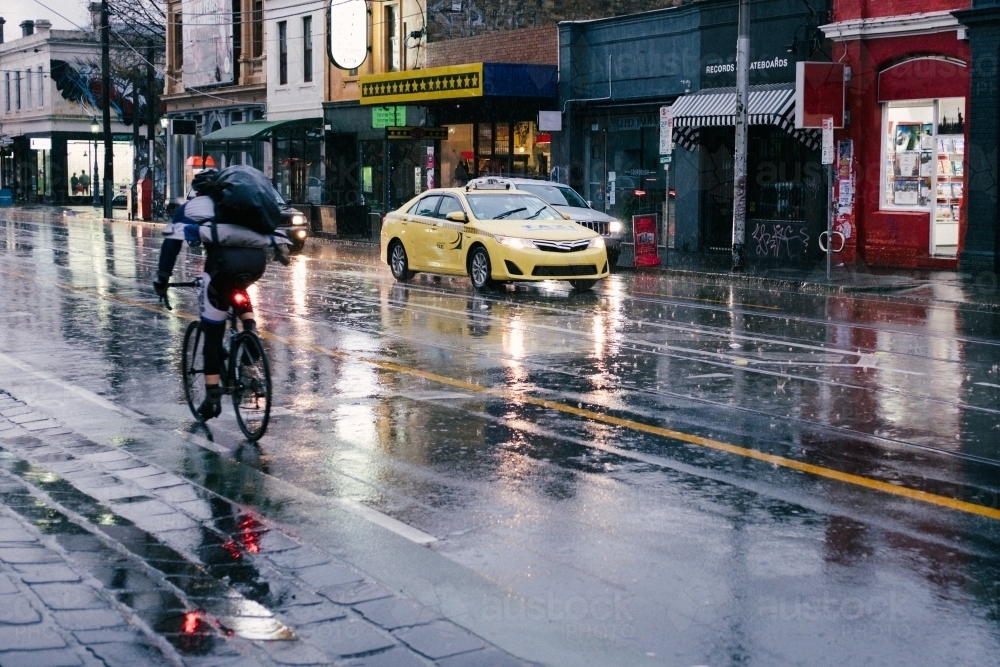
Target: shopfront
{"x": 290, "y": 151}
{"x": 442, "y": 126}
{"x": 60, "y": 167}
{"x": 908, "y": 104}
{"x": 620, "y": 73}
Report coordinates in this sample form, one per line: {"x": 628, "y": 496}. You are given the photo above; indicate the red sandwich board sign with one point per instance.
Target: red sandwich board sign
{"x": 644, "y": 237}
{"x": 819, "y": 94}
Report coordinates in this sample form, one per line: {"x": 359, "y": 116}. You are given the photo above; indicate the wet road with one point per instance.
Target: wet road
{"x": 661, "y": 472}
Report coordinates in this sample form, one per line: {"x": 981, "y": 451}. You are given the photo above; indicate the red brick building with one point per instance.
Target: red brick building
{"x": 902, "y": 174}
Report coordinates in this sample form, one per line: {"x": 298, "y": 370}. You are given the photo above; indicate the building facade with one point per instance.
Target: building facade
{"x": 617, "y": 74}
{"x": 216, "y": 74}
{"x": 50, "y": 152}
{"x": 981, "y": 249}
{"x": 907, "y": 137}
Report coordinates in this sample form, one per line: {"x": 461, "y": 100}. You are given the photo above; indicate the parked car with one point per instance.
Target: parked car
{"x": 566, "y": 200}
{"x": 493, "y": 233}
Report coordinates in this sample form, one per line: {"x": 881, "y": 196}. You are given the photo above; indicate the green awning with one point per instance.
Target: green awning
{"x": 256, "y": 130}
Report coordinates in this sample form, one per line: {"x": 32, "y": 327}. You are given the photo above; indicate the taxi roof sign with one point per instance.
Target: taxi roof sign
{"x": 489, "y": 183}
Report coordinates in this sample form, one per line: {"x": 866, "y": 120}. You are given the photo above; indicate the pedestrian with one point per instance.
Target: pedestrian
{"x": 461, "y": 174}
{"x": 73, "y": 183}
{"x": 85, "y": 182}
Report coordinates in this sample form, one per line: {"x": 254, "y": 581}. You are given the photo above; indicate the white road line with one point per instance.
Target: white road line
{"x": 354, "y": 507}
{"x": 79, "y": 391}
{"x": 987, "y": 384}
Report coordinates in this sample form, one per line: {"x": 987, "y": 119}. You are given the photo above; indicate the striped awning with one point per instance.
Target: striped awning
{"x": 769, "y": 104}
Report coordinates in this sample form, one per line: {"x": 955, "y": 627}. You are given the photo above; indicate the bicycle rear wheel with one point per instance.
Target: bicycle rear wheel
{"x": 193, "y": 366}
{"x": 251, "y": 376}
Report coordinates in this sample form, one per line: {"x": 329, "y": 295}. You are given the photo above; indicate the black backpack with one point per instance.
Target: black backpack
{"x": 243, "y": 196}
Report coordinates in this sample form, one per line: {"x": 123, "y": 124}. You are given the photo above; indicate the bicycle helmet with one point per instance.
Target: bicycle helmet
{"x": 203, "y": 180}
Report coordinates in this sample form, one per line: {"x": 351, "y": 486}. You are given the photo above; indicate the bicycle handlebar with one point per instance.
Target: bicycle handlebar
{"x": 165, "y": 300}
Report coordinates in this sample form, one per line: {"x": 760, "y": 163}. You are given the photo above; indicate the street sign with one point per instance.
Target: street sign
{"x": 828, "y": 152}
{"x": 6, "y": 140}
{"x": 666, "y": 159}
{"x": 666, "y": 131}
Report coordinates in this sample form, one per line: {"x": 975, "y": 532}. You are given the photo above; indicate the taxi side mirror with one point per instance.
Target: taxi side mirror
{"x": 457, "y": 216}
{"x": 566, "y": 215}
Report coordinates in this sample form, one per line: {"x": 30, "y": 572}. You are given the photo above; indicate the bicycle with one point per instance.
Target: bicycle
{"x": 159, "y": 210}
{"x": 246, "y": 371}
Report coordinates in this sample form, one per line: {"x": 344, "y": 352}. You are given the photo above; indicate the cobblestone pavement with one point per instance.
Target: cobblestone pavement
{"x": 108, "y": 560}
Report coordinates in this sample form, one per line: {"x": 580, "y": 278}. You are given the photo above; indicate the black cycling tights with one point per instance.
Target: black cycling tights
{"x": 214, "y": 333}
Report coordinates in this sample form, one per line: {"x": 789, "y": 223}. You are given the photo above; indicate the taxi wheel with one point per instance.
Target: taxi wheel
{"x": 480, "y": 270}
{"x": 399, "y": 264}
{"x": 582, "y": 285}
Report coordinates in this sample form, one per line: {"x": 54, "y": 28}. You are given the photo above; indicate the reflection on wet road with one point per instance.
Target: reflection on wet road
{"x": 697, "y": 473}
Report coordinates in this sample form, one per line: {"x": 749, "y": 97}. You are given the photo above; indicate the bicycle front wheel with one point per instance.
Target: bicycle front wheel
{"x": 193, "y": 366}
{"x": 251, "y": 374}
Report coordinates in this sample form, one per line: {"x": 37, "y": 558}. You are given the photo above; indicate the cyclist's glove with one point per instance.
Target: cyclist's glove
{"x": 160, "y": 284}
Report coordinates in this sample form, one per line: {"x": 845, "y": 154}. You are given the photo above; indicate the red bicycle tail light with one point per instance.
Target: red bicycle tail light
{"x": 241, "y": 299}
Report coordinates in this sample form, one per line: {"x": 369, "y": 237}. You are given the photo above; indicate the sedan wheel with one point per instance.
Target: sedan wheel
{"x": 398, "y": 262}
{"x": 480, "y": 270}
{"x": 582, "y": 285}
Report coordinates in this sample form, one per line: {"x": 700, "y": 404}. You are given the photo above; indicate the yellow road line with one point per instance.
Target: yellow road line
{"x": 791, "y": 464}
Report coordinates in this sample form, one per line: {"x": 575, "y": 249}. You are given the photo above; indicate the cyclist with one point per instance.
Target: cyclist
{"x": 235, "y": 259}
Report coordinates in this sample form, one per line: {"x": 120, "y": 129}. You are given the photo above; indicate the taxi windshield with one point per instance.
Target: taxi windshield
{"x": 557, "y": 195}
{"x": 511, "y": 207}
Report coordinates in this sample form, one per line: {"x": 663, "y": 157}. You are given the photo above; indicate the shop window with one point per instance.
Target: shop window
{"x": 283, "y": 52}
{"x": 392, "y": 58}
{"x": 924, "y": 164}
{"x": 258, "y": 28}
{"x": 307, "y": 49}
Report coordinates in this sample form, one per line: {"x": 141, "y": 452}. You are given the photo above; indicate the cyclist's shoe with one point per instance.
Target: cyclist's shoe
{"x": 211, "y": 407}
{"x": 250, "y": 327}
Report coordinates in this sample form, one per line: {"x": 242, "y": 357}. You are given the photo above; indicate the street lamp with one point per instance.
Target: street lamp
{"x": 95, "y": 129}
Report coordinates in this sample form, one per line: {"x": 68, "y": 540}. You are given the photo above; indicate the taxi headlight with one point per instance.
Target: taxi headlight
{"x": 298, "y": 219}
{"x": 513, "y": 242}
{"x": 597, "y": 242}
{"x": 615, "y": 227}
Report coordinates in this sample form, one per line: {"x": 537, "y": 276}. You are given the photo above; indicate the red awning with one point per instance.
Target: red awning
{"x": 923, "y": 79}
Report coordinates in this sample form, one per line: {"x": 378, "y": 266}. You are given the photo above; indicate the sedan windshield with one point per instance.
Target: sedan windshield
{"x": 511, "y": 207}
{"x": 557, "y": 195}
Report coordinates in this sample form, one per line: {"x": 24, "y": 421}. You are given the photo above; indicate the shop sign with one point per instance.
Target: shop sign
{"x": 417, "y": 133}
{"x": 40, "y": 143}
{"x": 636, "y": 122}
{"x": 644, "y": 237}
{"x": 388, "y": 116}
{"x": 819, "y": 94}
{"x": 430, "y": 167}
{"x": 435, "y": 83}
{"x": 348, "y": 30}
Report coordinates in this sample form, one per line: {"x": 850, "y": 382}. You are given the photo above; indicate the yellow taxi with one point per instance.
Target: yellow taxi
{"x": 493, "y": 233}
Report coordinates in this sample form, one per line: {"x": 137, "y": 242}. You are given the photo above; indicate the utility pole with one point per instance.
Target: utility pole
{"x": 106, "y": 104}
{"x": 740, "y": 161}
{"x": 151, "y": 110}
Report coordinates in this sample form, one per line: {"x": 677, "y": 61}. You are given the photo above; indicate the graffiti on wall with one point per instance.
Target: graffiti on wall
{"x": 779, "y": 240}
{"x": 81, "y": 83}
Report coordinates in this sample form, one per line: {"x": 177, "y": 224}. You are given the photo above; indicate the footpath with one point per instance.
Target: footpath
{"x": 106, "y": 559}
